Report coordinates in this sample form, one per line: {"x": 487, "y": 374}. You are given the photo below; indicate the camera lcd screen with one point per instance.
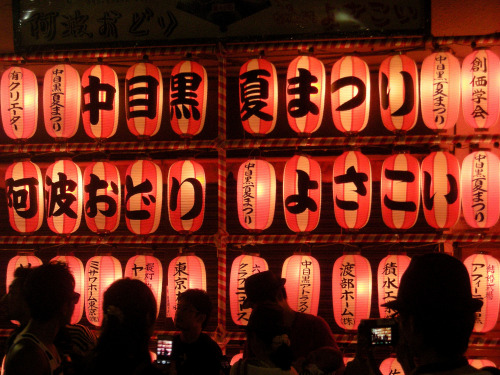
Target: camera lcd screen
{"x": 381, "y": 336}
{"x": 164, "y": 348}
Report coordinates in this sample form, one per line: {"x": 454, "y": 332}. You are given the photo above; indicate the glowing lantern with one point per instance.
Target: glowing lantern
{"x": 484, "y": 272}
{"x": 186, "y": 196}
{"x": 184, "y": 272}
{"x": 479, "y": 363}
{"x": 440, "y": 90}
{"x": 19, "y": 98}
{"x": 347, "y": 359}
{"x": 351, "y": 290}
{"x": 480, "y": 170}
{"x": 400, "y": 191}
{"x": 256, "y": 194}
{"x": 188, "y": 98}
{"x": 243, "y": 266}
{"x": 100, "y": 92}
{"x": 64, "y": 194}
{"x": 143, "y": 99}
{"x": 62, "y": 98}
{"x": 26, "y": 260}
{"x": 481, "y": 89}
{"x": 398, "y": 87}
{"x": 352, "y": 189}
{"x": 143, "y": 196}
{"x": 303, "y": 282}
{"x": 391, "y": 366}
{"x": 350, "y": 94}
{"x": 236, "y": 358}
{"x": 305, "y": 78}
{"x": 100, "y": 272}
{"x": 390, "y": 271}
{"x": 75, "y": 266}
{"x": 24, "y": 190}
{"x": 302, "y": 193}
{"x": 149, "y": 270}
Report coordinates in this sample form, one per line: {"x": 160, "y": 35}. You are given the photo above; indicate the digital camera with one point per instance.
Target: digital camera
{"x": 379, "y": 331}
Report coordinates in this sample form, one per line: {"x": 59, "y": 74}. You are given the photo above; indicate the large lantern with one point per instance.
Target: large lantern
{"x": 352, "y": 189}
{"x": 390, "y": 271}
{"x": 143, "y": 196}
{"x": 351, "y": 290}
{"x": 243, "y": 267}
{"x": 258, "y": 90}
{"x": 24, "y": 191}
{"x": 75, "y": 266}
{"x": 305, "y": 94}
{"x": 26, "y": 260}
{"x": 481, "y": 89}
{"x": 188, "y": 98}
{"x": 479, "y": 363}
{"x": 19, "y": 98}
{"x": 100, "y": 272}
{"x": 398, "y": 88}
{"x": 303, "y": 283}
{"x": 143, "y": 99}
{"x": 64, "y": 195}
{"x": 391, "y": 366}
{"x": 480, "y": 180}
{"x": 186, "y": 196}
{"x": 484, "y": 272}
{"x": 62, "y": 98}
{"x": 256, "y": 194}
{"x": 302, "y": 193}
{"x": 350, "y": 94}
{"x": 400, "y": 191}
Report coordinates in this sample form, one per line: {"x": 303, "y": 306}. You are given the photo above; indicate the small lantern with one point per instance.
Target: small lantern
{"x": 236, "y": 358}
{"x": 391, "y": 366}
{"x": 26, "y": 260}
{"x": 479, "y": 363}
{"x": 390, "y": 271}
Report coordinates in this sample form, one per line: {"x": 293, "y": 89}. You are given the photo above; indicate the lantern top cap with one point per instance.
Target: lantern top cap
{"x": 261, "y": 287}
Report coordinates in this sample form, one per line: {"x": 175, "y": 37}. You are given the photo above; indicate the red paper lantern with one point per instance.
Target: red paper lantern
{"x": 400, "y": 191}
{"x": 19, "y": 97}
{"x": 75, "y": 266}
{"x": 258, "y": 92}
{"x": 143, "y": 99}
{"x": 352, "y": 189}
{"x": 484, "y": 272}
{"x": 303, "y": 283}
{"x": 351, "y": 290}
{"x": 143, "y": 196}
{"x": 236, "y": 358}
{"x": 305, "y": 94}
{"x": 398, "y": 87}
{"x": 100, "y": 109}
{"x": 350, "y": 94}
{"x": 26, "y": 260}
{"x": 64, "y": 194}
{"x": 256, "y": 194}
{"x": 186, "y": 196}
{"x": 24, "y": 191}
{"x": 390, "y": 271}
{"x": 481, "y": 89}
{"x": 243, "y": 267}
{"x": 440, "y": 90}
{"x": 391, "y": 366}
{"x": 188, "y": 98}
{"x": 480, "y": 180}
{"x": 62, "y": 97}
{"x": 302, "y": 193}
{"x": 479, "y": 363}
{"x": 149, "y": 270}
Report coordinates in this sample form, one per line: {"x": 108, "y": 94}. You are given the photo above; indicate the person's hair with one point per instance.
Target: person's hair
{"x": 21, "y": 273}
{"x": 200, "y": 300}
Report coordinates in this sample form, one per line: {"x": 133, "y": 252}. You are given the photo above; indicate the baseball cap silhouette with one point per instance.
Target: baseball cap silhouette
{"x": 262, "y": 286}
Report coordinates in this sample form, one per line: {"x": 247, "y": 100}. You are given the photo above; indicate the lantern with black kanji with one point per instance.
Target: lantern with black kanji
{"x": 26, "y": 260}
{"x": 390, "y": 271}
{"x": 391, "y": 366}
{"x": 75, "y": 266}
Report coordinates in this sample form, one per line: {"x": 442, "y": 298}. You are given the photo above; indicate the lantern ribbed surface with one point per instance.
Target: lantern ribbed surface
{"x": 75, "y": 266}
{"x": 389, "y": 273}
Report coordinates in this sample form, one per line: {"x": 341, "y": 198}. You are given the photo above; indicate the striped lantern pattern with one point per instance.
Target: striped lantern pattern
{"x": 100, "y": 109}
{"x": 26, "y": 260}
{"x": 243, "y": 267}
{"x": 303, "y": 283}
{"x": 62, "y": 97}
{"x": 484, "y": 273}
{"x": 302, "y": 193}
{"x": 186, "y": 195}
{"x": 389, "y": 273}
{"x": 481, "y": 89}
{"x": 352, "y": 189}
{"x": 258, "y": 92}
{"x": 398, "y": 89}
{"x": 391, "y": 366}
{"x": 100, "y": 272}
{"x": 400, "y": 191}
{"x": 440, "y": 87}
{"x": 102, "y": 197}
{"x": 24, "y": 191}
{"x": 305, "y": 94}
{"x": 480, "y": 180}
{"x": 188, "y": 98}
{"x": 143, "y": 99}
{"x": 143, "y": 196}
{"x": 479, "y": 363}
{"x": 19, "y": 100}
{"x": 350, "y": 94}
{"x": 256, "y": 194}
{"x": 64, "y": 196}
{"x": 351, "y": 290}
